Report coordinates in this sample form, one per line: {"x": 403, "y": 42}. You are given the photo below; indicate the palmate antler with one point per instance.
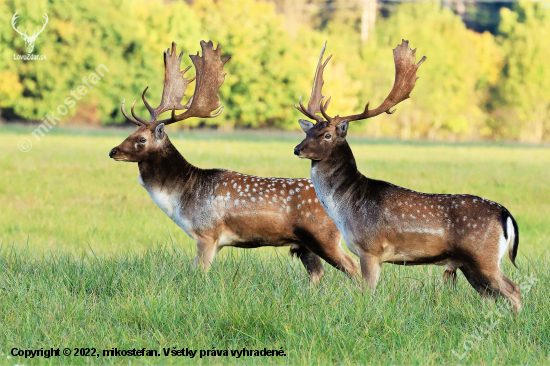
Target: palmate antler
{"x": 314, "y": 101}
{"x": 405, "y": 79}
{"x": 209, "y": 78}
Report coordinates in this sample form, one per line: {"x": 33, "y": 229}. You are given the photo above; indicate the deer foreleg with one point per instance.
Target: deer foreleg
{"x": 370, "y": 269}
{"x": 206, "y": 251}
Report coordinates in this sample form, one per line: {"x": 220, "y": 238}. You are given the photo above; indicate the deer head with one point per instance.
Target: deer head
{"x": 150, "y": 137}
{"x": 329, "y": 132}
{"x": 29, "y": 40}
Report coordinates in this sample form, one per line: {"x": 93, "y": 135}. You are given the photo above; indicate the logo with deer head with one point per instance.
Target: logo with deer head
{"x": 29, "y": 40}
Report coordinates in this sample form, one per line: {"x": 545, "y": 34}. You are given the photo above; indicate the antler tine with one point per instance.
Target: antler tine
{"x": 316, "y": 97}
{"x": 324, "y": 109}
{"x": 303, "y": 109}
{"x": 405, "y": 79}
{"x": 145, "y": 122}
{"x": 318, "y": 82}
{"x": 147, "y": 105}
{"x": 128, "y": 117}
{"x": 218, "y": 112}
{"x": 209, "y": 79}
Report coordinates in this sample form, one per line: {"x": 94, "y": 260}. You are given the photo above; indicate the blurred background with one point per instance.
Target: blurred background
{"x": 487, "y": 75}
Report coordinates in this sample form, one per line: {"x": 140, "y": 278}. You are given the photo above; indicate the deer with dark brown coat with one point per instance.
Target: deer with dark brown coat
{"x": 219, "y": 208}
{"x": 384, "y": 223}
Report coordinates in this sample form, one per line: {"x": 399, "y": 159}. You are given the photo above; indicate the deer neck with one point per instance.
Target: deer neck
{"x": 335, "y": 179}
{"x": 165, "y": 170}
{"x": 172, "y": 182}
{"x": 337, "y": 171}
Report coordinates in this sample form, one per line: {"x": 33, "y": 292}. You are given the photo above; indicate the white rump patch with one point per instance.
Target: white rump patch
{"x": 504, "y": 243}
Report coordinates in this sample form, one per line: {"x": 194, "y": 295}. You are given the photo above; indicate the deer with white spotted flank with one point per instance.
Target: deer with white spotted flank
{"x": 219, "y": 208}
{"x": 384, "y": 223}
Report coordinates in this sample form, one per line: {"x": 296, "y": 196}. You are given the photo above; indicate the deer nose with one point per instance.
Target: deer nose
{"x": 112, "y": 152}
{"x": 298, "y": 150}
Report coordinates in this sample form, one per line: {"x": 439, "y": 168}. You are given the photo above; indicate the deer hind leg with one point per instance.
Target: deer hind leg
{"x": 370, "y": 270}
{"x": 493, "y": 284}
{"x": 449, "y": 277}
{"x": 311, "y": 261}
{"x": 511, "y": 291}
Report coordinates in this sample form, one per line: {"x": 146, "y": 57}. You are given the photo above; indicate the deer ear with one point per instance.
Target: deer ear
{"x": 306, "y": 125}
{"x": 343, "y": 128}
{"x": 159, "y": 132}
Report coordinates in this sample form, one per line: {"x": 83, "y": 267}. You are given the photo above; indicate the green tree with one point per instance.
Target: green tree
{"x": 449, "y": 98}
{"x": 127, "y": 37}
{"x": 522, "y": 96}
{"x": 265, "y": 62}
{"x": 467, "y": 74}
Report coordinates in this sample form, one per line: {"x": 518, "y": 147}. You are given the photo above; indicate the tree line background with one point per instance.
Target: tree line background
{"x": 487, "y": 75}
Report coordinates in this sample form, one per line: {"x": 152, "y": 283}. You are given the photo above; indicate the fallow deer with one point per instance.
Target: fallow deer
{"x": 216, "y": 207}
{"x": 384, "y": 223}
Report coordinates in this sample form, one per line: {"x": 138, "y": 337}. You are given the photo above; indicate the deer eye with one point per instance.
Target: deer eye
{"x": 328, "y": 136}
{"x": 143, "y": 140}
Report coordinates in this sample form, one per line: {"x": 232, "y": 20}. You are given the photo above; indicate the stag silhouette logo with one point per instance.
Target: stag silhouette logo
{"x": 29, "y": 40}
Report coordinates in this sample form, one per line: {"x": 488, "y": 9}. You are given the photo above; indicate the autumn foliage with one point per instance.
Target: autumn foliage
{"x": 473, "y": 85}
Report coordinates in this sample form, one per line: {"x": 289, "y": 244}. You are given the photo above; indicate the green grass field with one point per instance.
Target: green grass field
{"x": 88, "y": 260}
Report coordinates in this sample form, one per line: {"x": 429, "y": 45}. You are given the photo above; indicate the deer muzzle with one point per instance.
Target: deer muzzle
{"x": 113, "y": 152}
